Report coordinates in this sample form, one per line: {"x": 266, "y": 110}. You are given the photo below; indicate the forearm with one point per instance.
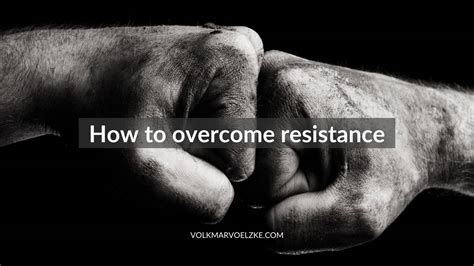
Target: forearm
{"x": 19, "y": 78}
{"x": 47, "y": 75}
{"x": 434, "y": 126}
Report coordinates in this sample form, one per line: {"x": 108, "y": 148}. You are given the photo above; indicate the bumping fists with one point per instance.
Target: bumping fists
{"x": 322, "y": 199}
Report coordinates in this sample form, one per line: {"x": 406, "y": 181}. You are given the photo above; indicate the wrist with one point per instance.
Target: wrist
{"x": 435, "y": 127}
{"x": 451, "y": 161}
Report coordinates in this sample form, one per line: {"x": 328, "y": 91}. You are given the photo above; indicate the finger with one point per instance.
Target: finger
{"x": 282, "y": 173}
{"x": 232, "y": 94}
{"x": 214, "y": 75}
{"x": 366, "y": 191}
{"x": 279, "y": 173}
{"x": 320, "y": 221}
{"x": 253, "y": 37}
{"x": 309, "y": 220}
{"x": 365, "y": 197}
{"x": 184, "y": 182}
{"x": 276, "y": 176}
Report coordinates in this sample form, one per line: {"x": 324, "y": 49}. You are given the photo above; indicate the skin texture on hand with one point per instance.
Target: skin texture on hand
{"x": 50, "y": 78}
{"x": 322, "y": 199}
{"x": 331, "y": 199}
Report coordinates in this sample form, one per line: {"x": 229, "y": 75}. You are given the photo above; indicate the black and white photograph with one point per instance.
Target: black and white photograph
{"x": 293, "y": 134}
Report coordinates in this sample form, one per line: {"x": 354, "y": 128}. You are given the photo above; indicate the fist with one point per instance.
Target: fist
{"x": 162, "y": 72}
{"x": 195, "y": 72}
{"x": 330, "y": 199}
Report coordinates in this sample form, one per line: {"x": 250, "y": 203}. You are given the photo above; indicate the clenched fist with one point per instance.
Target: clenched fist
{"x": 50, "y": 78}
{"x": 330, "y": 199}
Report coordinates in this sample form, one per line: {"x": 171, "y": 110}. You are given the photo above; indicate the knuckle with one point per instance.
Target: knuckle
{"x": 365, "y": 216}
{"x": 233, "y": 46}
{"x": 253, "y": 37}
{"x": 366, "y": 222}
{"x": 290, "y": 75}
{"x": 285, "y": 81}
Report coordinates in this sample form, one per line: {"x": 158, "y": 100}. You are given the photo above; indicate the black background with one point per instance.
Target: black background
{"x": 55, "y": 199}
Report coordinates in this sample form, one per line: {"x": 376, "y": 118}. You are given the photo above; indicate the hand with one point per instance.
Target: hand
{"x": 50, "y": 78}
{"x": 331, "y": 199}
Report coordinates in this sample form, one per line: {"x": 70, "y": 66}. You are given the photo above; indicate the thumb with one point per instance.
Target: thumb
{"x": 183, "y": 182}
